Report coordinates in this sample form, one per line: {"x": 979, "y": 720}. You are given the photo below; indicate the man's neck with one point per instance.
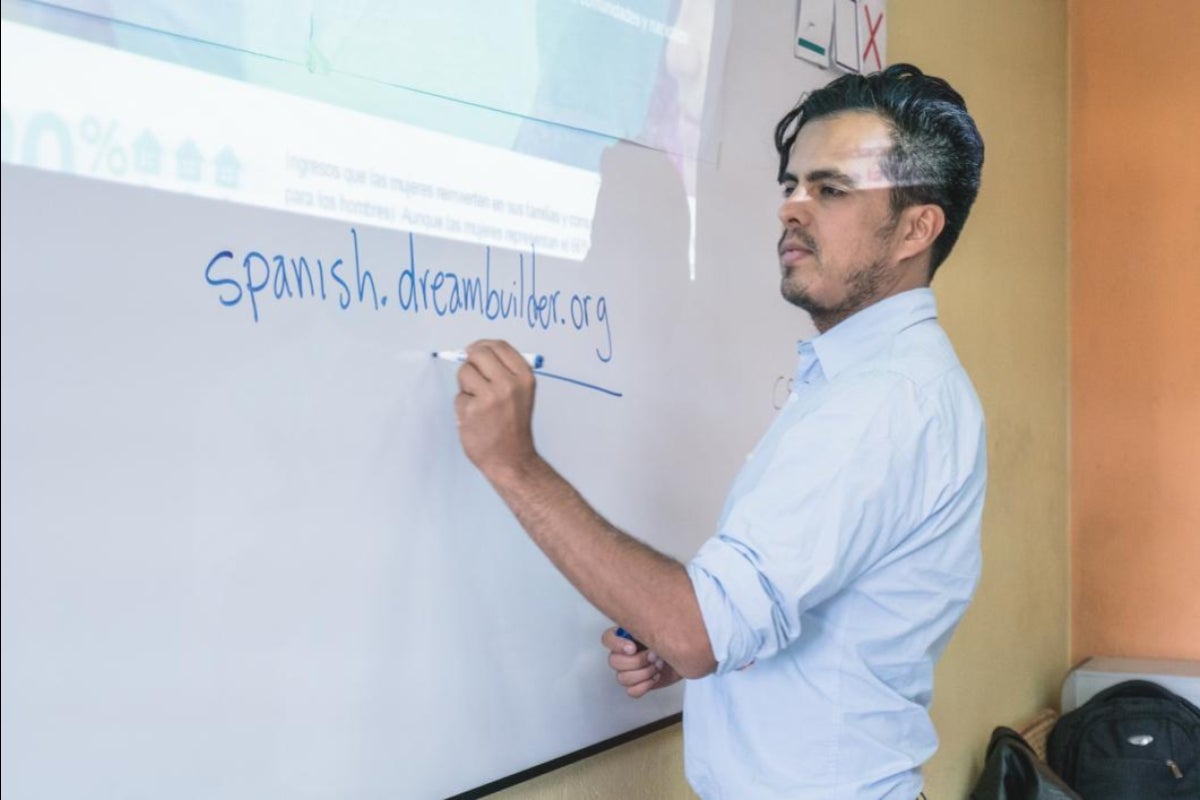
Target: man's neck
{"x": 912, "y": 276}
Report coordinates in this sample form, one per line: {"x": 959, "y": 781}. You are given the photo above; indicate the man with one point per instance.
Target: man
{"x": 848, "y": 549}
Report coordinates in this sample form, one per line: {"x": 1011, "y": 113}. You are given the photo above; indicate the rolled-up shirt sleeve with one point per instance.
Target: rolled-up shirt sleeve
{"x": 840, "y": 485}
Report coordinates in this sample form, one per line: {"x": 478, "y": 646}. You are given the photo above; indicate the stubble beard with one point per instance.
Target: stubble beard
{"x": 862, "y": 287}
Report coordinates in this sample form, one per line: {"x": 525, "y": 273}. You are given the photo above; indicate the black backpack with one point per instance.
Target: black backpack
{"x": 1133, "y": 741}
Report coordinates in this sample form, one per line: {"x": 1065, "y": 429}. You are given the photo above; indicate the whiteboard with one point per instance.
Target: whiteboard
{"x": 243, "y": 554}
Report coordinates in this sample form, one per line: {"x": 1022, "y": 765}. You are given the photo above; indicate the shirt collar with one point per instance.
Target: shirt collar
{"x": 867, "y": 331}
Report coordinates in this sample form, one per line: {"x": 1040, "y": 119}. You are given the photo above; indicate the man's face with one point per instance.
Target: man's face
{"x": 836, "y": 253}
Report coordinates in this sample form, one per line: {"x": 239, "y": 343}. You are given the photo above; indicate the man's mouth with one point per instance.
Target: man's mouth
{"x": 792, "y": 250}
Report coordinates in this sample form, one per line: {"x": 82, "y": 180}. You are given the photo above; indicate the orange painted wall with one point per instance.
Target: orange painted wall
{"x": 1135, "y": 328}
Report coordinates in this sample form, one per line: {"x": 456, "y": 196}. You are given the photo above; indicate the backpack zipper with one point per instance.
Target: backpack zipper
{"x": 1175, "y": 770}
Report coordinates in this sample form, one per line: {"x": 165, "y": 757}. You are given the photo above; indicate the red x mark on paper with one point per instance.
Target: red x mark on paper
{"x": 872, "y": 29}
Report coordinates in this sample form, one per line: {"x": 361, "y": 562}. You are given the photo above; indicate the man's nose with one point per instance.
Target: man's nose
{"x": 794, "y": 208}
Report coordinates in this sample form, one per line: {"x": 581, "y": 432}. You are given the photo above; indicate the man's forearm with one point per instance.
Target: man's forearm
{"x": 627, "y": 580}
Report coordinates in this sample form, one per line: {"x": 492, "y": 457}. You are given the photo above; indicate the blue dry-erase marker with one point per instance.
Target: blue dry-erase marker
{"x": 624, "y": 634}
{"x": 532, "y": 359}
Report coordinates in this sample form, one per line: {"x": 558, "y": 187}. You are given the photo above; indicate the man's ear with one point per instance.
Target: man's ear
{"x": 919, "y": 228}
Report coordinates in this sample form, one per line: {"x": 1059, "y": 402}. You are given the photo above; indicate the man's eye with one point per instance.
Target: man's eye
{"x": 831, "y": 191}
{"x": 787, "y": 189}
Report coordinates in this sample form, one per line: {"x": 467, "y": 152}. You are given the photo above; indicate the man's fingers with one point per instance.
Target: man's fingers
{"x": 638, "y": 672}
{"x": 632, "y": 677}
{"x": 470, "y": 380}
{"x": 620, "y": 644}
{"x": 493, "y": 359}
{"x": 505, "y": 355}
{"x": 508, "y": 355}
{"x": 492, "y": 362}
{"x": 623, "y": 663}
{"x": 616, "y": 644}
{"x": 641, "y": 688}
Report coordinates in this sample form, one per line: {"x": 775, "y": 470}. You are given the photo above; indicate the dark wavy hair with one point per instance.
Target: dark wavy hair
{"x": 937, "y": 152}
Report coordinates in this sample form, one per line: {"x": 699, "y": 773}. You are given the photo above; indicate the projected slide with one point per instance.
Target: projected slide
{"x": 458, "y": 119}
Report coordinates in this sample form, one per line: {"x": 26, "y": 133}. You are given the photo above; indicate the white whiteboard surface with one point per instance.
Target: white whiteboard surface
{"x": 248, "y": 559}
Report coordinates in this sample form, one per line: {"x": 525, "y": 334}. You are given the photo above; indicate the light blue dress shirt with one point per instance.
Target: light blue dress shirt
{"x": 847, "y": 552}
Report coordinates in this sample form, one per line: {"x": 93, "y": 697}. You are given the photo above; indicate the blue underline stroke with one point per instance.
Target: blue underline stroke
{"x": 577, "y": 382}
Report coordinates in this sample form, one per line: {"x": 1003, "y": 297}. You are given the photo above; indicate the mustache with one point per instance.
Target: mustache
{"x": 795, "y": 237}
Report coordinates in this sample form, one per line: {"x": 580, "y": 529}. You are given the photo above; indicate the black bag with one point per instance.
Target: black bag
{"x": 1014, "y": 772}
{"x": 1133, "y": 741}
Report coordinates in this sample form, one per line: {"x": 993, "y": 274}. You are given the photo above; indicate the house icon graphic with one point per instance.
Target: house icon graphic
{"x": 189, "y": 161}
{"x": 147, "y": 153}
{"x": 227, "y": 168}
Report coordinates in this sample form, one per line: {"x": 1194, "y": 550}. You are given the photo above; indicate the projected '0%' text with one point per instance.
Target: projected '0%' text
{"x": 256, "y": 280}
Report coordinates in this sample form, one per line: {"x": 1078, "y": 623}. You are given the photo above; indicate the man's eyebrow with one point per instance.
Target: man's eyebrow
{"x": 830, "y": 174}
{"x": 818, "y": 175}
